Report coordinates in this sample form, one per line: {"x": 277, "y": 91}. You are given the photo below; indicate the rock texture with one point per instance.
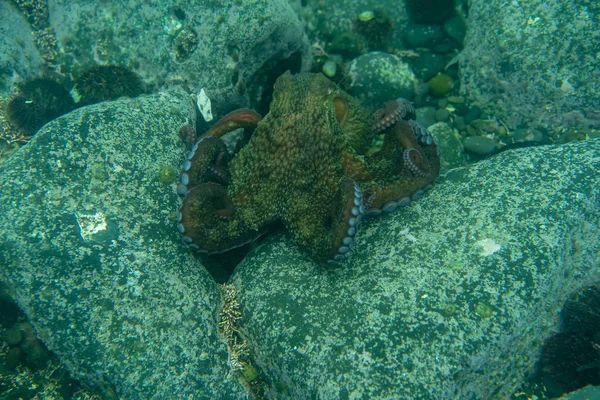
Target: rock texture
{"x": 90, "y": 251}
{"x": 534, "y": 63}
{"x": 450, "y": 297}
{"x": 19, "y": 56}
{"x": 227, "y": 47}
{"x": 460, "y": 288}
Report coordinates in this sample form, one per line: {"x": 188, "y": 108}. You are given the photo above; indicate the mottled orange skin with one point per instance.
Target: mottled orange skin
{"x": 299, "y": 168}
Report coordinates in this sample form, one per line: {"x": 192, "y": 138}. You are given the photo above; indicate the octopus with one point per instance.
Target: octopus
{"x": 308, "y": 165}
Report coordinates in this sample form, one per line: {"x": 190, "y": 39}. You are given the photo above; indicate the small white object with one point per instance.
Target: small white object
{"x": 488, "y": 246}
{"x": 90, "y": 224}
{"x": 204, "y": 105}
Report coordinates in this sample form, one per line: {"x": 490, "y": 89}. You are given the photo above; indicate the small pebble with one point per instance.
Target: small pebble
{"x": 459, "y": 123}
{"x": 442, "y": 115}
{"x": 479, "y": 145}
{"x": 329, "y": 69}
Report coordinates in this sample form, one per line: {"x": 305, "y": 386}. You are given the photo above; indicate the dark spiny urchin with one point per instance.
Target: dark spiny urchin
{"x": 37, "y": 102}
{"x": 107, "y": 82}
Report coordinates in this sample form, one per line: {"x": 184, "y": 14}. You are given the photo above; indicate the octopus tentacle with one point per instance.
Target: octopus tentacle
{"x": 329, "y": 234}
{"x": 208, "y": 222}
{"x": 352, "y": 213}
{"x": 242, "y": 118}
{"x": 206, "y": 162}
{"x": 187, "y": 133}
{"x": 416, "y": 162}
{"x": 208, "y": 159}
{"x": 393, "y": 111}
{"x": 407, "y": 164}
{"x": 307, "y": 165}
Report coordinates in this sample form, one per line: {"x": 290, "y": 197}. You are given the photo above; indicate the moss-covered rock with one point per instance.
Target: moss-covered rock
{"x": 503, "y": 242}
{"x": 103, "y": 276}
{"x": 523, "y": 62}
{"x": 377, "y": 77}
{"x": 440, "y": 85}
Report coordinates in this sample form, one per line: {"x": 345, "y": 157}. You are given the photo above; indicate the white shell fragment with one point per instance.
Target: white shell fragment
{"x": 204, "y": 105}
{"x": 488, "y": 246}
{"x": 90, "y": 224}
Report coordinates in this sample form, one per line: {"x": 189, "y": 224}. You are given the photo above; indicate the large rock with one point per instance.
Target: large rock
{"x": 19, "y": 56}
{"x": 89, "y": 249}
{"x": 227, "y": 47}
{"x": 534, "y": 62}
{"x": 450, "y": 297}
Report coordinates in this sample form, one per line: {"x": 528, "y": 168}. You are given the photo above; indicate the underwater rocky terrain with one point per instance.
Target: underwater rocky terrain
{"x": 479, "y": 289}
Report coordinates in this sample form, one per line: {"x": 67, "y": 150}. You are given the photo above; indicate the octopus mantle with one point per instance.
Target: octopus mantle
{"x": 307, "y": 165}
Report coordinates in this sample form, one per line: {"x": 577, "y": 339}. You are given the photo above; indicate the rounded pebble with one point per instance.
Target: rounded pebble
{"x": 479, "y": 145}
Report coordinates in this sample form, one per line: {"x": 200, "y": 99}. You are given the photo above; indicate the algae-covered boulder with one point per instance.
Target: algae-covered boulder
{"x": 227, "y": 47}
{"x": 19, "y": 55}
{"x": 450, "y": 297}
{"x": 534, "y": 62}
{"x": 89, "y": 250}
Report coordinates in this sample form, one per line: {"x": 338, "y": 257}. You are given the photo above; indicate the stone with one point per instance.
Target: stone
{"x": 422, "y": 35}
{"x": 426, "y": 115}
{"x": 440, "y": 85}
{"x": 428, "y": 65}
{"x": 96, "y": 262}
{"x": 479, "y": 145}
{"x": 452, "y": 149}
{"x": 456, "y": 28}
{"x": 378, "y": 77}
{"x": 460, "y": 288}
{"x": 225, "y": 47}
{"x": 523, "y": 62}
{"x": 19, "y": 56}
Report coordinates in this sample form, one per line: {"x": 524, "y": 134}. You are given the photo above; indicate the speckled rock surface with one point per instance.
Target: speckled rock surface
{"x": 226, "y": 47}
{"x": 329, "y": 19}
{"x": 453, "y": 152}
{"x": 377, "y": 77}
{"x": 19, "y": 57}
{"x": 534, "y": 62}
{"x": 126, "y": 306}
{"x": 447, "y": 298}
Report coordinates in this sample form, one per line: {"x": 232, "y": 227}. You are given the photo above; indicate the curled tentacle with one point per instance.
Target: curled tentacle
{"x": 208, "y": 159}
{"x": 407, "y": 164}
{"x": 206, "y": 162}
{"x": 346, "y": 220}
{"x": 330, "y": 233}
{"x": 187, "y": 133}
{"x": 207, "y": 221}
{"x": 242, "y": 118}
{"x": 415, "y": 162}
{"x": 393, "y": 111}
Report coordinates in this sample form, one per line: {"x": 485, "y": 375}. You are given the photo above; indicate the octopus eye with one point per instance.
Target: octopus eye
{"x": 341, "y": 109}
